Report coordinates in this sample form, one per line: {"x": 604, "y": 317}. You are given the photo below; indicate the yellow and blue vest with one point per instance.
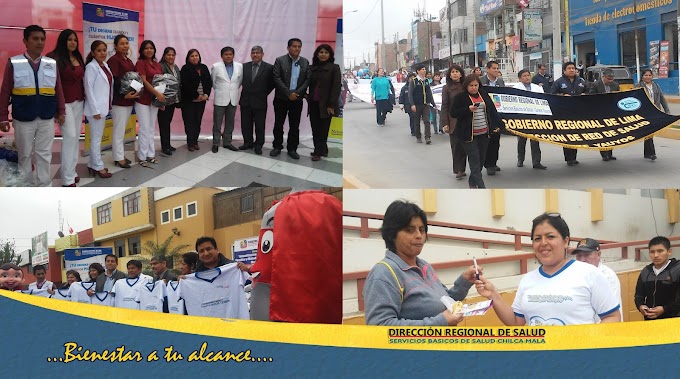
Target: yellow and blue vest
{"x": 34, "y": 93}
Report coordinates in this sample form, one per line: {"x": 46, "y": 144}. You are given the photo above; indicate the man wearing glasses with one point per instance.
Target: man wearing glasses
{"x": 588, "y": 251}
{"x": 606, "y": 84}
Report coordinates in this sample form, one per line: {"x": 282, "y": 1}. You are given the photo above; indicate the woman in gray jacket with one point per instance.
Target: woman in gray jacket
{"x": 654, "y": 92}
{"x": 165, "y": 115}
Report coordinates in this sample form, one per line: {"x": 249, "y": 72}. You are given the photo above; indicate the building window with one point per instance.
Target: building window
{"x": 119, "y": 248}
{"x": 165, "y": 217}
{"x": 247, "y": 203}
{"x": 104, "y": 214}
{"x": 192, "y": 209}
{"x": 177, "y": 214}
{"x": 131, "y": 203}
{"x": 134, "y": 245}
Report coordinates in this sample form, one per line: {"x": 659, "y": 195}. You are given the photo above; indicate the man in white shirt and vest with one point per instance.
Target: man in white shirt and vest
{"x": 31, "y": 84}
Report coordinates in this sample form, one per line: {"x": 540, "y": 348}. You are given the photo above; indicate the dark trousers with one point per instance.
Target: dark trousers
{"x": 248, "y": 116}
{"x": 476, "y": 152}
{"x": 292, "y": 109}
{"x": 458, "y": 154}
{"x": 192, "y": 113}
{"x": 569, "y": 154}
{"x": 649, "y": 147}
{"x": 491, "y": 159}
{"x": 381, "y": 108}
{"x": 164, "y": 120}
{"x": 226, "y": 113}
{"x": 411, "y": 120}
{"x": 422, "y": 112}
{"x": 535, "y": 150}
{"x": 320, "y": 128}
{"x": 606, "y": 153}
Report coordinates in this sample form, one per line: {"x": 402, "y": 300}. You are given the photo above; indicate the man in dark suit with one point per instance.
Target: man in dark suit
{"x": 291, "y": 79}
{"x": 542, "y": 79}
{"x": 159, "y": 266}
{"x": 605, "y": 84}
{"x": 258, "y": 83}
{"x": 493, "y": 78}
{"x": 105, "y": 282}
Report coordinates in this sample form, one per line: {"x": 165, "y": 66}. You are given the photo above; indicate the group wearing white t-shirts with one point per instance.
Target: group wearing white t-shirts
{"x": 41, "y": 287}
{"x": 212, "y": 292}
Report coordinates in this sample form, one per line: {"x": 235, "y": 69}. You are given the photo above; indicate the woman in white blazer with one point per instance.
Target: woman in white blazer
{"x": 226, "y": 98}
{"x": 98, "y": 97}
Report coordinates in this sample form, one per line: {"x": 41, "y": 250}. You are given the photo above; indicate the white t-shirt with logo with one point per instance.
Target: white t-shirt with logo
{"x": 151, "y": 296}
{"x": 102, "y": 298}
{"x": 125, "y": 291}
{"x": 78, "y": 292}
{"x": 61, "y": 294}
{"x": 175, "y": 304}
{"x": 574, "y": 295}
{"x": 216, "y": 293}
{"x": 42, "y": 291}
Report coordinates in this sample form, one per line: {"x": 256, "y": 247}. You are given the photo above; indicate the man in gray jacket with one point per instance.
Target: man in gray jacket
{"x": 291, "y": 79}
{"x": 606, "y": 84}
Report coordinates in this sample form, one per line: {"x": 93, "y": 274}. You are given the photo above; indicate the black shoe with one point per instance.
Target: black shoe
{"x": 606, "y": 158}
{"x": 613, "y": 158}
{"x": 491, "y": 171}
{"x": 167, "y": 151}
{"x": 258, "y": 150}
{"x": 520, "y": 164}
{"x": 230, "y": 147}
{"x": 215, "y": 148}
{"x": 172, "y": 148}
{"x": 496, "y": 168}
{"x": 575, "y": 161}
{"x": 293, "y": 155}
{"x": 570, "y": 163}
{"x": 540, "y": 167}
{"x": 245, "y": 147}
{"x": 275, "y": 152}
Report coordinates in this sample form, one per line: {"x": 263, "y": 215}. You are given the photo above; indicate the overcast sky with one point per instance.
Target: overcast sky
{"x": 27, "y": 212}
{"x": 361, "y": 29}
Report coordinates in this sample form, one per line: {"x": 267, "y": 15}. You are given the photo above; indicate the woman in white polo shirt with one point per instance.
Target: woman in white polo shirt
{"x": 561, "y": 291}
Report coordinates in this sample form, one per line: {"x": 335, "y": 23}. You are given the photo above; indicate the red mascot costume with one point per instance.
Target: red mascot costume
{"x": 299, "y": 261}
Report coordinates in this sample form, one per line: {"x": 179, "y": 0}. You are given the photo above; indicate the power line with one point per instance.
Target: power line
{"x": 362, "y": 22}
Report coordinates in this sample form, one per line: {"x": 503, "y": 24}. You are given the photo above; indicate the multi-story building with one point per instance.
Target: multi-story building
{"x": 394, "y": 55}
{"x": 458, "y": 35}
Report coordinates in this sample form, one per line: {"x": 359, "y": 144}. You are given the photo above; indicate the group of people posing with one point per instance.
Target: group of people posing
{"x": 403, "y": 289}
{"x": 63, "y": 86}
{"x": 470, "y": 118}
{"x": 136, "y": 290}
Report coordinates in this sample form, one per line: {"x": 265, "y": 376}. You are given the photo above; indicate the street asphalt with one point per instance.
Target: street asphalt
{"x": 389, "y": 157}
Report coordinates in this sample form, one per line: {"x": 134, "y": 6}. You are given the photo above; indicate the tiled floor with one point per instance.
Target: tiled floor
{"x": 224, "y": 169}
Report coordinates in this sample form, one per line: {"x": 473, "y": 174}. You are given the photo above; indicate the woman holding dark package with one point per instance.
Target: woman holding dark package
{"x": 476, "y": 117}
{"x": 71, "y": 71}
{"x": 324, "y": 91}
{"x": 652, "y": 90}
{"x": 561, "y": 291}
{"x": 403, "y": 289}
{"x": 120, "y": 64}
{"x": 453, "y": 86}
{"x": 166, "y": 114}
{"x": 98, "y": 95}
{"x": 196, "y": 87}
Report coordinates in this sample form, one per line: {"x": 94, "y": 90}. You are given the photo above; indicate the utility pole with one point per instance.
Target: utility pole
{"x": 396, "y": 51}
{"x": 382, "y": 39}
{"x": 448, "y": 15}
{"x": 637, "y": 48}
{"x": 557, "y": 39}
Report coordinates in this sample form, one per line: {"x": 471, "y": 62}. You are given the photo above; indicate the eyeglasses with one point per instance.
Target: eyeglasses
{"x": 551, "y": 215}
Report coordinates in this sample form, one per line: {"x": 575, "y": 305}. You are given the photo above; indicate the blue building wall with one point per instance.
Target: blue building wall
{"x": 602, "y": 21}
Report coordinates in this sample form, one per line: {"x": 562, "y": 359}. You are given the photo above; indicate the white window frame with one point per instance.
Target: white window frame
{"x": 195, "y": 203}
{"x": 181, "y": 209}
{"x": 168, "y": 212}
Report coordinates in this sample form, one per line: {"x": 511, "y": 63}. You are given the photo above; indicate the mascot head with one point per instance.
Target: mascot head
{"x": 298, "y": 271}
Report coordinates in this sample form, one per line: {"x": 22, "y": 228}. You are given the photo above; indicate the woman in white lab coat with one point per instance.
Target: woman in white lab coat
{"x": 98, "y": 97}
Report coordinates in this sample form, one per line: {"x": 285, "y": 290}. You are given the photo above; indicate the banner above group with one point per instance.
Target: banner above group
{"x": 602, "y": 122}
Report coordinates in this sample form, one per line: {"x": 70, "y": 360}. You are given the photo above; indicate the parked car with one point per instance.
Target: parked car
{"x": 621, "y": 76}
